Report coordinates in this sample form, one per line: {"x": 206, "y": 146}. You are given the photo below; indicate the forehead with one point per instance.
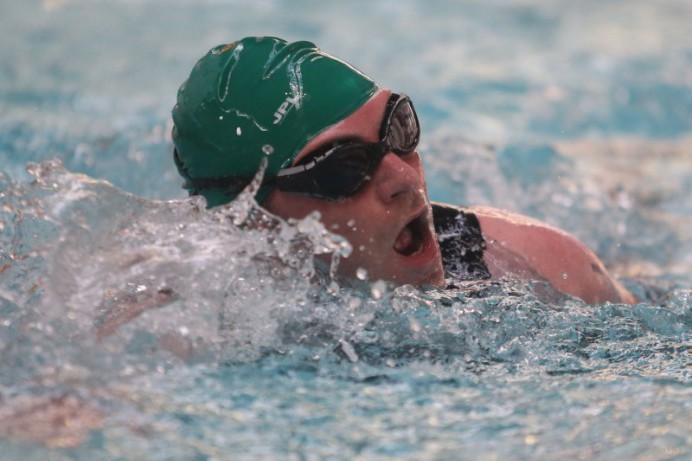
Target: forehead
{"x": 363, "y": 124}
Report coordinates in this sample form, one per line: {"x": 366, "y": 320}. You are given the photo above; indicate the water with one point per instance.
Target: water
{"x": 136, "y": 325}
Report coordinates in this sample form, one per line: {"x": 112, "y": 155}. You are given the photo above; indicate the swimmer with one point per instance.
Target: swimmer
{"x": 339, "y": 144}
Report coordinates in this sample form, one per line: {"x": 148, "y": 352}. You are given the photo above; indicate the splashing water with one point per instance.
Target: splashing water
{"x": 111, "y": 302}
{"x": 155, "y": 329}
{"x": 104, "y": 257}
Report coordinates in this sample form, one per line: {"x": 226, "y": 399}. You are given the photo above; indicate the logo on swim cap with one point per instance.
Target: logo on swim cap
{"x": 283, "y": 109}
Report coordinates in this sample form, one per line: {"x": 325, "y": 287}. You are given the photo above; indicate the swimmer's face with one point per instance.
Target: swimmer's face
{"x": 388, "y": 221}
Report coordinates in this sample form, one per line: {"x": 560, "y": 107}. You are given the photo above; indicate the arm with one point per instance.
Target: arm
{"x": 518, "y": 246}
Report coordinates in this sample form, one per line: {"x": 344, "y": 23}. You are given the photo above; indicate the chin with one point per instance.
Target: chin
{"x": 436, "y": 279}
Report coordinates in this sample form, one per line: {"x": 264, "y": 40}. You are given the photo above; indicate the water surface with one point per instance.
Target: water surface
{"x": 134, "y": 324}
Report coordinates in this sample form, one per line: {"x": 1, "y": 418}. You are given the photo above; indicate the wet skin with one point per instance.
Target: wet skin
{"x": 523, "y": 248}
{"x": 389, "y": 224}
{"x": 389, "y": 221}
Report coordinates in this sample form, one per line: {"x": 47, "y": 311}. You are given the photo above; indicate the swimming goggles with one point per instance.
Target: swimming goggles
{"x": 341, "y": 169}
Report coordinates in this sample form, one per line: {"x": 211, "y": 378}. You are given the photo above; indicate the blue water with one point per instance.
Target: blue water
{"x": 577, "y": 113}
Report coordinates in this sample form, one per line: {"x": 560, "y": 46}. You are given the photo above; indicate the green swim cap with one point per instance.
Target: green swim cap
{"x": 258, "y": 97}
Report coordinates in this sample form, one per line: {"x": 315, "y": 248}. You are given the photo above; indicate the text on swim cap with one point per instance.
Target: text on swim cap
{"x": 289, "y": 103}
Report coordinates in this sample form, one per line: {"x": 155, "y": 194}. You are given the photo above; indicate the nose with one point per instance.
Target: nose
{"x": 396, "y": 176}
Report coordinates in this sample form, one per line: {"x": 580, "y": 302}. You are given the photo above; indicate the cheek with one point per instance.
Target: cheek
{"x": 340, "y": 221}
{"x": 289, "y": 205}
{"x": 350, "y": 219}
{"x": 355, "y": 227}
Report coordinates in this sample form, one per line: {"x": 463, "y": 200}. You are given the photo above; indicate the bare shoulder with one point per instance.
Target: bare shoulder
{"x": 520, "y": 246}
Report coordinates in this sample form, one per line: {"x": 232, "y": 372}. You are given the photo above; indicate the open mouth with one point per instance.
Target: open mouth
{"x": 413, "y": 237}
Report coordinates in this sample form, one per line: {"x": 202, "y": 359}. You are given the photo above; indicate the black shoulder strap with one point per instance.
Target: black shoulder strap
{"x": 461, "y": 242}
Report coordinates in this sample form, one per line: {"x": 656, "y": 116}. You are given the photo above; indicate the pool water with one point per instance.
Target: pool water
{"x": 135, "y": 324}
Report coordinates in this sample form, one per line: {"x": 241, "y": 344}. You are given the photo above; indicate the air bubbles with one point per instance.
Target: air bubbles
{"x": 238, "y": 131}
{"x": 565, "y": 276}
{"x": 268, "y": 149}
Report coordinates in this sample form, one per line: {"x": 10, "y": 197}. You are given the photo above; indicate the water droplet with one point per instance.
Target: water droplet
{"x": 349, "y": 351}
{"x": 268, "y": 149}
{"x": 333, "y": 288}
{"x": 220, "y": 117}
{"x": 564, "y": 276}
{"x": 361, "y": 273}
{"x": 238, "y": 131}
{"x": 354, "y": 303}
{"x": 378, "y": 289}
{"x": 351, "y": 223}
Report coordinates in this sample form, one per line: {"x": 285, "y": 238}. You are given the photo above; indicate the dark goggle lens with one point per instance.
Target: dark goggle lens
{"x": 403, "y": 130}
{"x": 343, "y": 172}
{"x": 343, "y": 169}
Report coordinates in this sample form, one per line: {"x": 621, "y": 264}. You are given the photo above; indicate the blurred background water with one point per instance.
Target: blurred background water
{"x": 577, "y": 113}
